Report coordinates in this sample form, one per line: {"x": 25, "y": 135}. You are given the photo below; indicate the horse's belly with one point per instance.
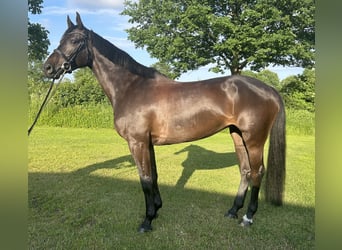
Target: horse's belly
{"x": 187, "y": 130}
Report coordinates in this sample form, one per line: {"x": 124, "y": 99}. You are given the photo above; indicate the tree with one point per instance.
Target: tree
{"x": 299, "y": 91}
{"x": 38, "y": 42}
{"x": 165, "y": 69}
{"x": 231, "y": 34}
{"x": 266, "y": 76}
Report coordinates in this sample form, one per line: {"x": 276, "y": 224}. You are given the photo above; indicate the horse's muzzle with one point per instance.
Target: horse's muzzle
{"x": 49, "y": 70}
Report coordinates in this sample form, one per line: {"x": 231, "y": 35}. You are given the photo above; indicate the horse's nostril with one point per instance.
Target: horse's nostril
{"x": 66, "y": 66}
{"x": 48, "y": 68}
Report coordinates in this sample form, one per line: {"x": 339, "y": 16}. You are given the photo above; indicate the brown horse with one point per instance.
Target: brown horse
{"x": 150, "y": 109}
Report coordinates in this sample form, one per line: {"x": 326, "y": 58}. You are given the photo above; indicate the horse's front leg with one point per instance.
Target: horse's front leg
{"x": 143, "y": 155}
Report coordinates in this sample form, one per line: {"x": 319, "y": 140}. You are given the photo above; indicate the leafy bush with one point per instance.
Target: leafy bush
{"x": 80, "y": 116}
{"x": 266, "y": 76}
{"x": 84, "y": 90}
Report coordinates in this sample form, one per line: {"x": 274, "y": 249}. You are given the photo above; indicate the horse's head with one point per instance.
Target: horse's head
{"x": 73, "y": 51}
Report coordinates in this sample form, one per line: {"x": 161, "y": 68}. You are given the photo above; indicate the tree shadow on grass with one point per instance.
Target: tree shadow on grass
{"x": 117, "y": 163}
{"x": 200, "y": 158}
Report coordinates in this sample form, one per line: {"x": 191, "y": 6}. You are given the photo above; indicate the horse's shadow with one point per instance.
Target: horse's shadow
{"x": 202, "y": 159}
{"x": 198, "y": 158}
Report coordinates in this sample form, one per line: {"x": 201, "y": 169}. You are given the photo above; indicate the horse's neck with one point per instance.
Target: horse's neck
{"x": 115, "y": 69}
{"x": 113, "y": 78}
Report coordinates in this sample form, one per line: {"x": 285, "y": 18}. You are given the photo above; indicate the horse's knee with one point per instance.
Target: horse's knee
{"x": 256, "y": 176}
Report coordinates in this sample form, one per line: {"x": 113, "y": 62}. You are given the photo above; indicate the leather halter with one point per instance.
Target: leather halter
{"x": 70, "y": 59}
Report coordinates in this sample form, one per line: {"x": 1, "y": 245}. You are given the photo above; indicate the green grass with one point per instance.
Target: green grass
{"x": 84, "y": 193}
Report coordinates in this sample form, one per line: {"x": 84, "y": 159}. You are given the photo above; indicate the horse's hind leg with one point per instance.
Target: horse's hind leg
{"x": 257, "y": 171}
{"x": 242, "y": 154}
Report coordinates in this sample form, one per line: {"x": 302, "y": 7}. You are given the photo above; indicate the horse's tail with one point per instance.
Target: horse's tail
{"x": 275, "y": 174}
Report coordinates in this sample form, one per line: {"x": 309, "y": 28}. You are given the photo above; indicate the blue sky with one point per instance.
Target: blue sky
{"x": 103, "y": 17}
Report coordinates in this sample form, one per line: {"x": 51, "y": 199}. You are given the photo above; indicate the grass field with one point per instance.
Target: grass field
{"x": 84, "y": 193}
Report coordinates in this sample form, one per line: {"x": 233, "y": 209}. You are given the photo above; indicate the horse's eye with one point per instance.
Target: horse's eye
{"x": 74, "y": 41}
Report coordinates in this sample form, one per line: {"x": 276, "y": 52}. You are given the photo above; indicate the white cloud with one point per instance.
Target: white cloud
{"x": 97, "y": 4}
{"x": 67, "y": 7}
{"x": 56, "y": 10}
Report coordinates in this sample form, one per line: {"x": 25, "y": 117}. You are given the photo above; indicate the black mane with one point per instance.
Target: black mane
{"x": 121, "y": 58}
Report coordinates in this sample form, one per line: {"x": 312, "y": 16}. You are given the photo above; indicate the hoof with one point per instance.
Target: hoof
{"x": 144, "y": 228}
{"x": 232, "y": 216}
{"x": 246, "y": 222}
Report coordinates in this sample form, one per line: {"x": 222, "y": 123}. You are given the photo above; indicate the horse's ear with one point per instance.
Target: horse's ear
{"x": 79, "y": 21}
{"x": 70, "y": 24}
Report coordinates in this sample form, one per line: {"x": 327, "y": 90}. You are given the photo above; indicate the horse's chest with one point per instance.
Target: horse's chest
{"x": 132, "y": 125}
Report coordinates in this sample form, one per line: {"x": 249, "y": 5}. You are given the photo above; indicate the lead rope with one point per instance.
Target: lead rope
{"x": 46, "y": 99}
